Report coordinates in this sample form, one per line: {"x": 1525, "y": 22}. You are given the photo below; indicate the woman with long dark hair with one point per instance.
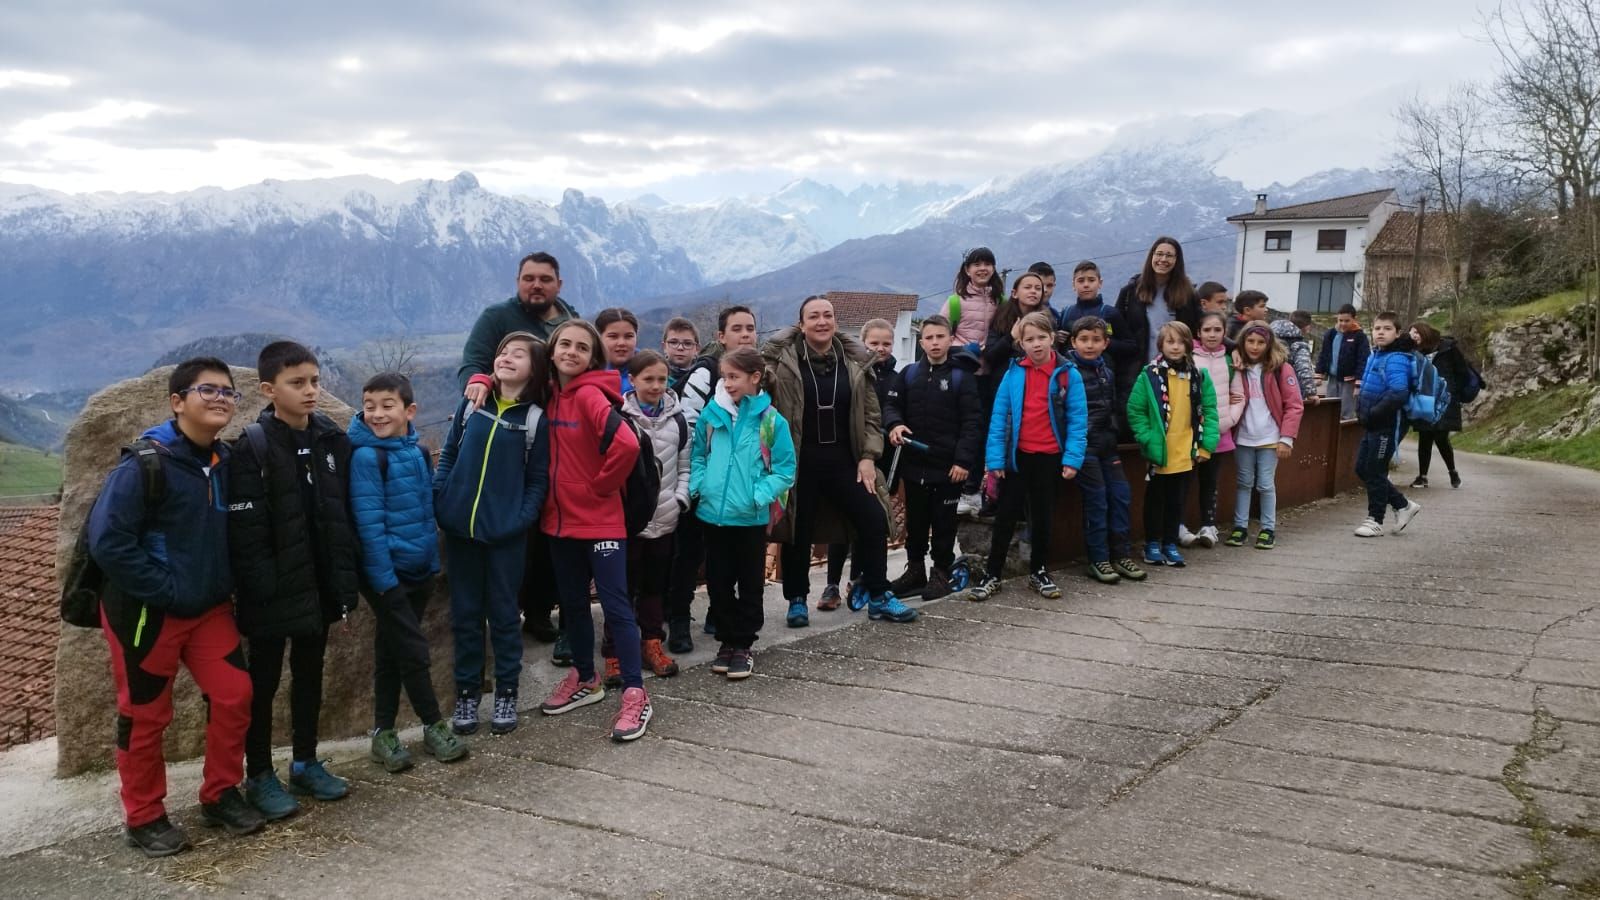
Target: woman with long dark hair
{"x": 1160, "y": 293}
{"x": 1455, "y": 370}
{"x": 821, "y": 383}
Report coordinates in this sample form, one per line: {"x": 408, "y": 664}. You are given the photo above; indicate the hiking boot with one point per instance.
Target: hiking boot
{"x": 1237, "y": 536}
{"x": 540, "y": 628}
{"x": 888, "y": 607}
{"x": 387, "y": 751}
{"x": 1403, "y": 517}
{"x": 1104, "y": 572}
{"x": 1207, "y": 537}
{"x": 831, "y": 598}
{"x": 1455, "y": 478}
{"x": 1127, "y": 568}
{"x": 634, "y": 716}
{"x": 465, "y": 718}
{"x": 656, "y": 660}
{"x": 265, "y": 792}
{"x": 560, "y": 654}
{"x": 1421, "y": 481}
{"x": 678, "y": 639}
{"x": 1172, "y": 556}
{"x": 1185, "y": 536}
{"x": 1152, "y": 554}
{"x": 741, "y": 665}
{"x": 986, "y": 588}
{"x": 571, "y": 693}
{"x": 969, "y": 504}
{"x": 1369, "y": 528}
{"x": 938, "y": 585}
{"x": 798, "y": 616}
{"x": 719, "y": 665}
{"x": 912, "y": 580}
{"x": 233, "y": 813}
{"x": 1265, "y": 540}
{"x": 158, "y": 838}
{"x": 504, "y": 718}
{"x": 312, "y": 780}
{"x": 439, "y": 742}
{"x": 1043, "y": 586}
{"x": 613, "y": 673}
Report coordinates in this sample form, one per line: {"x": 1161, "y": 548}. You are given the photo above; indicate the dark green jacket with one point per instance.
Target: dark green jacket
{"x": 497, "y": 321}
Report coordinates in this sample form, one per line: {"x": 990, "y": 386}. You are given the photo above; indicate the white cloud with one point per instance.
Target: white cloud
{"x": 21, "y": 78}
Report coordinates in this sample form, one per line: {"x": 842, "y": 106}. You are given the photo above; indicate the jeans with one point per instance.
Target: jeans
{"x": 576, "y": 560}
{"x": 931, "y": 508}
{"x": 1107, "y": 499}
{"x": 1258, "y": 471}
{"x": 265, "y": 657}
{"x": 1426, "y": 441}
{"x": 483, "y": 587}
{"x": 735, "y": 579}
{"x": 1372, "y": 467}
{"x": 1164, "y": 497}
{"x": 1033, "y": 486}
{"x": 400, "y": 655}
{"x": 837, "y": 483}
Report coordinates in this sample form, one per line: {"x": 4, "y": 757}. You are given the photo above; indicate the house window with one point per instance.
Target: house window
{"x": 1330, "y": 239}
{"x": 1277, "y": 240}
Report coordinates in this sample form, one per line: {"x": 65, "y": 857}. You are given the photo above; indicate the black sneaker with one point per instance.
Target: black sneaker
{"x": 158, "y": 838}
{"x": 678, "y": 639}
{"x": 986, "y": 588}
{"x": 1455, "y": 478}
{"x": 233, "y": 813}
{"x": 719, "y": 666}
{"x": 1421, "y": 481}
{"x": 560, "y": 654}
{"x": 741, "y": 664}
{"x": 1237, "y": 536}
{"x": 938, "y": 584}
{"x": 1043, "y": 586}
{"x": 541, "y": 629}
{"x": 1265, "y": 540}
{"x": 912, "y": 580}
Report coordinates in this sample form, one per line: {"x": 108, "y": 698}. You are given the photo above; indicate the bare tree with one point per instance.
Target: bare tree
{"x": 1444, "y": 144}
{"x": 393, "y": 353}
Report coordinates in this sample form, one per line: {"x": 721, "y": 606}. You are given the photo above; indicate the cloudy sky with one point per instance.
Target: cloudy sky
{"x": 693, "y": 100}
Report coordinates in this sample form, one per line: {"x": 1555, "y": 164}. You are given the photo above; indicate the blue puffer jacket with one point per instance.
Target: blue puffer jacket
{"x": 1386, "y": 385}
{"x": 725, "y": 469}
{"x": 488, "y": 488}
{"x": 176, "y": 560}
{"x": 1069, "y": 416}
{"x": 393, "y": 514}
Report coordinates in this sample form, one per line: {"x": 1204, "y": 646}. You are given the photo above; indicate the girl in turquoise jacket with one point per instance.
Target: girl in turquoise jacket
{"x": 741, "y": 468}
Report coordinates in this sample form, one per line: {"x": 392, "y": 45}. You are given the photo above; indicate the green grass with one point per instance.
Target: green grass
{"x": 1551, "y": 304}
{"x": 1509, "y": 430}
{"x": 28, "y": 475}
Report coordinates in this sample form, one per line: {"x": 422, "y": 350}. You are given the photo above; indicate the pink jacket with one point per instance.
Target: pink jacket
{"x": 1282, "y": 390}
{"x": 1228, "y": 412}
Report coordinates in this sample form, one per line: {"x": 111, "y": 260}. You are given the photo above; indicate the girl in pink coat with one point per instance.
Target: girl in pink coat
{"x": 1266, "y": 428}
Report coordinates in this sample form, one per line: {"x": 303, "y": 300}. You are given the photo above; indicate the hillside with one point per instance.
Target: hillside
{"x": 28, "y": 476}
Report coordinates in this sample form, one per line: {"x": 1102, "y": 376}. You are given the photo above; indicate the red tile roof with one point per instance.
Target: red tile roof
{"x": 29, "y": 611}
{"x": 852, "y": 309}
{"x": 1398, "y": 236}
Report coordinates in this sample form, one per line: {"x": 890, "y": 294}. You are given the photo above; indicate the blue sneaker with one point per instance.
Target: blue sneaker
{"x": 1173, "y": 557}
{"x": 311, "y": 779}
{"x": 265, "y": 792}
{"x": 888, "y": 606}
{"x": 1152, "y": 554}
{"x": 799, "y": 616}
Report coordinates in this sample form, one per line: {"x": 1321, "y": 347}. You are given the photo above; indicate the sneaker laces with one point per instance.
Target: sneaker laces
{"x": 565, "y": 688}
{"x": 889, "y": 603}
{"x": 634, "y": 700}
{"x": 505, "y": 706}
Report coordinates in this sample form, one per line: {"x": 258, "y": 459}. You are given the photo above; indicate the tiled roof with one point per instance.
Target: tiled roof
{"x": 1354, "y": 206}
{"x": 852, "y": 309}
{"x": 1399, "y": 236}
{"x": 29, "y": 611}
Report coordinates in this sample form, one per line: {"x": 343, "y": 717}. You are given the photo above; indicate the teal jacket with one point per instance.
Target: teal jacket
{"x": 726, "y": 471}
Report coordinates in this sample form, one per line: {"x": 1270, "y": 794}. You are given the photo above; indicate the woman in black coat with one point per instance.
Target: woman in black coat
{"x": 1160, "y": 293}
{"x": 1456, "y": 371}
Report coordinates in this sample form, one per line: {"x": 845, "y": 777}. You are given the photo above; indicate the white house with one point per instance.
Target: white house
{"x": 853, "y": 309}
{"x": 1310, "y": 256}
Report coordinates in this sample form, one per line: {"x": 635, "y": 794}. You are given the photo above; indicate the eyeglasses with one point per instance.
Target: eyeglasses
{"x": 1163, "y": 256}
{"x": 681, "y": 345}
{"x": 210, "y": 392}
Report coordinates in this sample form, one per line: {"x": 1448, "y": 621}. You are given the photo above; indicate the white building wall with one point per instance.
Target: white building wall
{"x": 905, "y": 342}
{"x": 1276, "y": 273}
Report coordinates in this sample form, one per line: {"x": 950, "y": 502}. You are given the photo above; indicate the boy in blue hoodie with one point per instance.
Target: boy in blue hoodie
{"x": 167, "y": 586}
{"x": 391, "y": 500}
{"x": 1386, "y": 385}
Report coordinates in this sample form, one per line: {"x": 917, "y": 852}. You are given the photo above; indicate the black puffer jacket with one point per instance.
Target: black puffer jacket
{"x": 1455, "y": 370}
{"x": 291, "y": 576}
{"x": 1135, "y": 315}
{"x": 1100, "y": 393}
{"x": 940, "y": 405}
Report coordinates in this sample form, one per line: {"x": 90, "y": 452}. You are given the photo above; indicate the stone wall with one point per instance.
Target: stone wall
{"x": 1538, "y": 354}
{"x": 85, "y": 701}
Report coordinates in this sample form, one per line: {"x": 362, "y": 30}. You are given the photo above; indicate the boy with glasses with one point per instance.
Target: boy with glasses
{"x": 680, "y": 345}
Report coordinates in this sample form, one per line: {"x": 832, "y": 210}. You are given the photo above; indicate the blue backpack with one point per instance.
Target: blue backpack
{"x": 1430, "y": 393}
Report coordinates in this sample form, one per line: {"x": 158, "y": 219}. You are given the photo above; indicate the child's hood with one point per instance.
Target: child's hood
{"x": 361, "y": 435}
{"x": 1050, "y": 365}
{"x": 723, "y": 410}
{"x": 1099, "y": 362}
{"x": 1287, "y": 331}
{"x": 609, "y": 381}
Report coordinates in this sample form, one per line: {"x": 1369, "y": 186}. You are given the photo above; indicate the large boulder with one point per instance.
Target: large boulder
{"x": 85, "y": 699}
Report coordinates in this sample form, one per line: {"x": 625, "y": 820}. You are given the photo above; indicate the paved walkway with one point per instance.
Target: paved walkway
{"x": 1415, "y": 716}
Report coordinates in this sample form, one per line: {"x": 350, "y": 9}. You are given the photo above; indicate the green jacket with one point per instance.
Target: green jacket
{"x": 782, "y": 354}
{"x": 1148, "y": 421}
{"x": 497, "y": 321}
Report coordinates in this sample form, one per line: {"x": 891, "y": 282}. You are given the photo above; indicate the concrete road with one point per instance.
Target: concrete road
{"x": 1414, "y": 716}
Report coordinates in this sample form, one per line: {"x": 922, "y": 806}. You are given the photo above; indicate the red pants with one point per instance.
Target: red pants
{"x": 144, "y": 660}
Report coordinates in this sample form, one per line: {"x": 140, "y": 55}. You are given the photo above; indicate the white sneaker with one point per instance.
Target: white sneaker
{"x": 1403, "y": 517}
{"x": 1185, "y": 536}
{"x": 1208, "y": 537}
{"x": 1369, "y": 528}
{"x": 969, "y": 505}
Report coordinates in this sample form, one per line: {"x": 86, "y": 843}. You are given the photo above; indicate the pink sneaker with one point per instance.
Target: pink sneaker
{"x": 571, "y": 694}
{"x": 634, "y": 716}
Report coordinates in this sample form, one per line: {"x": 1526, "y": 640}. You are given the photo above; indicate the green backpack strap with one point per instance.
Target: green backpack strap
{"x": 955, "y": 311}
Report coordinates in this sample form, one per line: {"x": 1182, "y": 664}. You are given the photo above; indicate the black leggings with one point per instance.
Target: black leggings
{"x": 1164, "y": 497}
{"x": 400, "y": 656}
{"x": 265, "y": 656}
{"x": 1426, "y": 441}
{"x": 1033, "y": 486}
{"x": 838, "y": 483}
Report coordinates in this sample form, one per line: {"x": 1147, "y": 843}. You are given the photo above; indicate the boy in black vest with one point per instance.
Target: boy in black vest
{"x": 295, "y": 566}
{"x": 1107, "y": 528}
{"x": 935, "y": 403}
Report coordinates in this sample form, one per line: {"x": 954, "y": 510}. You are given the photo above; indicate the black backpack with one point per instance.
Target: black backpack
{"x": 83, "y": 583}
{"x": 643, "y": 487}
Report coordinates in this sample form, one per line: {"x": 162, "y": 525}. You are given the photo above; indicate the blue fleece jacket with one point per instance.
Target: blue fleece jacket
{"x": 176, "y": 558}
{"x": 725, "y": 469}
{"x": 393, "y": 515}
{"x": 487, "y": 488}
{"x": 1069, "y": 416}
